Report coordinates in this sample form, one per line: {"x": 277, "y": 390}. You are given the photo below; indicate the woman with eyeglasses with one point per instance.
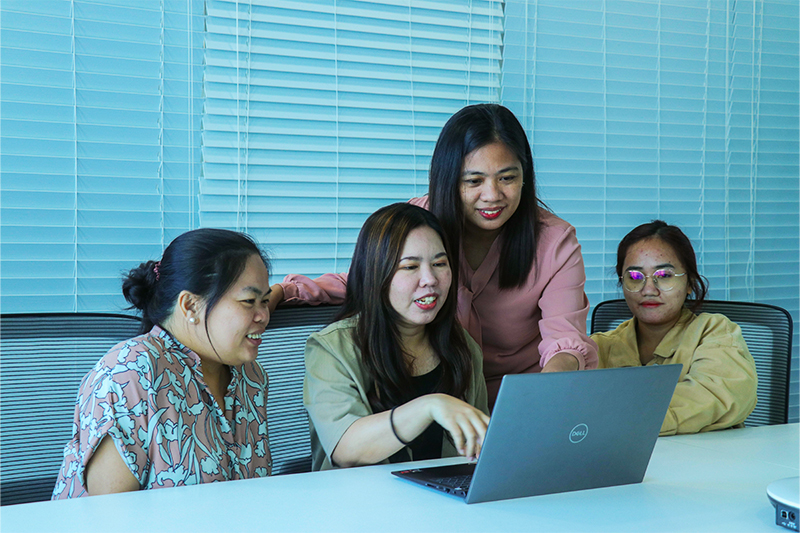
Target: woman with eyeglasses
{"x": 657, "y": 269}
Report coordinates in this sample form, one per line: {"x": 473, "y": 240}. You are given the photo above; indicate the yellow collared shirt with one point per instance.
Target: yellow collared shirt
{"x": 717, "y": 386}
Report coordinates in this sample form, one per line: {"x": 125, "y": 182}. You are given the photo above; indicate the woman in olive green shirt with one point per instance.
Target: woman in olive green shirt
{"x": 397, "y": 378}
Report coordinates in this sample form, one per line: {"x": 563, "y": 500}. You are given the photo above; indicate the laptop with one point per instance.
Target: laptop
{"x": 562, "y": 431}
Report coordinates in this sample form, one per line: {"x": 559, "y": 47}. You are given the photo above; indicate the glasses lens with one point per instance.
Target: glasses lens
{"x": 665, "y": 279}
{"x": 633, "y": 280}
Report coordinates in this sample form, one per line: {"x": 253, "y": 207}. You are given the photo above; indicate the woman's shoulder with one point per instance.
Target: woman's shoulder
{"x": 422, "y": 201}
{"x": 553, "y": 226}
{"x": 148, "y": 345}
{"x": 340, "y": 327}
{"x": 130, "y": 369}
{"x": 146, "y": 355}
{"x": 337, "y": 337}
{"x": 557, "y": 245}
{"x": 624, "y": 333}
{"x": 714, "y": 326}
{"x": 621, "y": 329}
{"x": 334, "y": 346}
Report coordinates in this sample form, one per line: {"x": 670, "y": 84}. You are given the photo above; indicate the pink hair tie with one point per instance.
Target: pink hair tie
{"x": 155, "y": 269}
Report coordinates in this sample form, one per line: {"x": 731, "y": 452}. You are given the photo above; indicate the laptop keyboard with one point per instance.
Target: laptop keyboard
{"x": 462, "y": 481}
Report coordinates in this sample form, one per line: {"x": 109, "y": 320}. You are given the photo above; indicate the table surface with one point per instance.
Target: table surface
{"x": 707, "y": 482}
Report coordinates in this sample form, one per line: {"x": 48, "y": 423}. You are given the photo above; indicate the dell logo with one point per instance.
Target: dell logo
{"x": 578, "y": 433}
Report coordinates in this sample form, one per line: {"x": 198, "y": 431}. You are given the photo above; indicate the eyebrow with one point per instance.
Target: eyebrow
{"x": 662, "y": 265}
{"x": 256, "y": 290}
{"x": 478, "y": 173}
{"x": 417, "y": 258}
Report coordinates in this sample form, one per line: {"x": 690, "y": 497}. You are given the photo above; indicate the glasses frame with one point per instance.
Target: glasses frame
{"x": 655, "y": 280}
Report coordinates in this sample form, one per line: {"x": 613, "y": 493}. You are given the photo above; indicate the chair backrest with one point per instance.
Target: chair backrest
{"x": 44, "y": 357}
{"x": 282, "y": 355}
{"x": 767, "y": 330}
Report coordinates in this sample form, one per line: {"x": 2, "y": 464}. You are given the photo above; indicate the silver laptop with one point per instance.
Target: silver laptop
{"x": 563, "y": 431}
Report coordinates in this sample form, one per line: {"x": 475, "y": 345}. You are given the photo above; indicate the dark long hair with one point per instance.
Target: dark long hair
{"x": 471, "y": 128}
{"x": 205, "y": 262}
{"x": 675, "y": 238}
{"x": 375, "y": 260}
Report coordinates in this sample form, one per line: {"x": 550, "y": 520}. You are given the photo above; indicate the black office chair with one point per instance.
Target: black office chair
{"x": 44, "y": 358}
{"x": 767, "y": 330}
{"x": 282, "y": 355}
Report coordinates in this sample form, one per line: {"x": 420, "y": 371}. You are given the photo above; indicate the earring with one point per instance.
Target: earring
{"x": 192, "y": 319}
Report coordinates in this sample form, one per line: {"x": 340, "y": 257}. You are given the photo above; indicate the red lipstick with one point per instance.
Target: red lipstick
{"x": 490, "y": 216}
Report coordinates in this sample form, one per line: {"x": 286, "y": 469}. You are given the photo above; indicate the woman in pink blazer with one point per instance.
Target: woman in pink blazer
{"x": 521, "y": 294}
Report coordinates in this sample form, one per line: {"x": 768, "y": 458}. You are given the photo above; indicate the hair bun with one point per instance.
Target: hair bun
{"x": 138, "y": 286}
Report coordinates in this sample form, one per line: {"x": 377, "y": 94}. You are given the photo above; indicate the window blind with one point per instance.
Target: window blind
{"x": 317, "y": 113}
{"x": 100, "y": 122}
{"x": 126, "y": 124}
{"x": 684, "y": 111}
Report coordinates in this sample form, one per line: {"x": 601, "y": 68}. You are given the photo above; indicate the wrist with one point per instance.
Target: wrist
{"x": 394, "y": 429}
{"x": 562, "y": 362}
{"x": 430, "y": 403}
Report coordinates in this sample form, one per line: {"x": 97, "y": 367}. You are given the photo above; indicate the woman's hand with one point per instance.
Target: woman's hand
{"x": 370, "y": 439}
{"x": 466, "y": 424}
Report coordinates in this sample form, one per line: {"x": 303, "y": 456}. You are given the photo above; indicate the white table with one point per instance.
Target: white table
{"x": 710, "y": 482}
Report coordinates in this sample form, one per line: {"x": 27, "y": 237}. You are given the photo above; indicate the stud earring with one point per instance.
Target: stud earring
{"x": 192, "y": 319}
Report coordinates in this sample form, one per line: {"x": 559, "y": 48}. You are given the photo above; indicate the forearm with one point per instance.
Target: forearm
{"x": 275, "y": 297}
{"x": 709, "y": 405}
{"x": 370, "y": 440}
{"x": 719, "y": 389}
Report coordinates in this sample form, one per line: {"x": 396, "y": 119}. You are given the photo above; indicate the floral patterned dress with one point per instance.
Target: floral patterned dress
{"x": 149, "y": 396}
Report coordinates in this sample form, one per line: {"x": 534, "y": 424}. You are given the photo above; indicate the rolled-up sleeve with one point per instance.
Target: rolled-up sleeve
{"x": 332, "y": 392}
{"x": 564, "y": 304}
{"x": 326, "y": 289}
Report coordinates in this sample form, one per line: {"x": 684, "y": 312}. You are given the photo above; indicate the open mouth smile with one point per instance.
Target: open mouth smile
{"x": 490, "y": 214}
{"x": 426, "y": 302}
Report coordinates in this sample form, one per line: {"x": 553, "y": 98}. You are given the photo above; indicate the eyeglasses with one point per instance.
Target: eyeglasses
{"x": 665, "y": 279}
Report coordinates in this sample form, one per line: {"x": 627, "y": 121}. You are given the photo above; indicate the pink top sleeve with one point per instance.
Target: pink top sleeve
{"x": 326, "y": 289}
{"x": 564, "y": 304}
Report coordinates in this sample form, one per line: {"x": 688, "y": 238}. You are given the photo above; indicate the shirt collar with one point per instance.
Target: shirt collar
{"x": 669, "y": 344}
{"x": 193, "y": 360}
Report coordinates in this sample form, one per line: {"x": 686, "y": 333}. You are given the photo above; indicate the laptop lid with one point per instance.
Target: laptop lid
{"x": 565, "y": 431}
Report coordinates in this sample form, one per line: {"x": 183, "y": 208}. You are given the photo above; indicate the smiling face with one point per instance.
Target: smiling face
{"x": 652, "y": 306}
{"x": 420, "y": 285}
{"x": 236, "y": 323}
{"x": 491, "y": 187}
